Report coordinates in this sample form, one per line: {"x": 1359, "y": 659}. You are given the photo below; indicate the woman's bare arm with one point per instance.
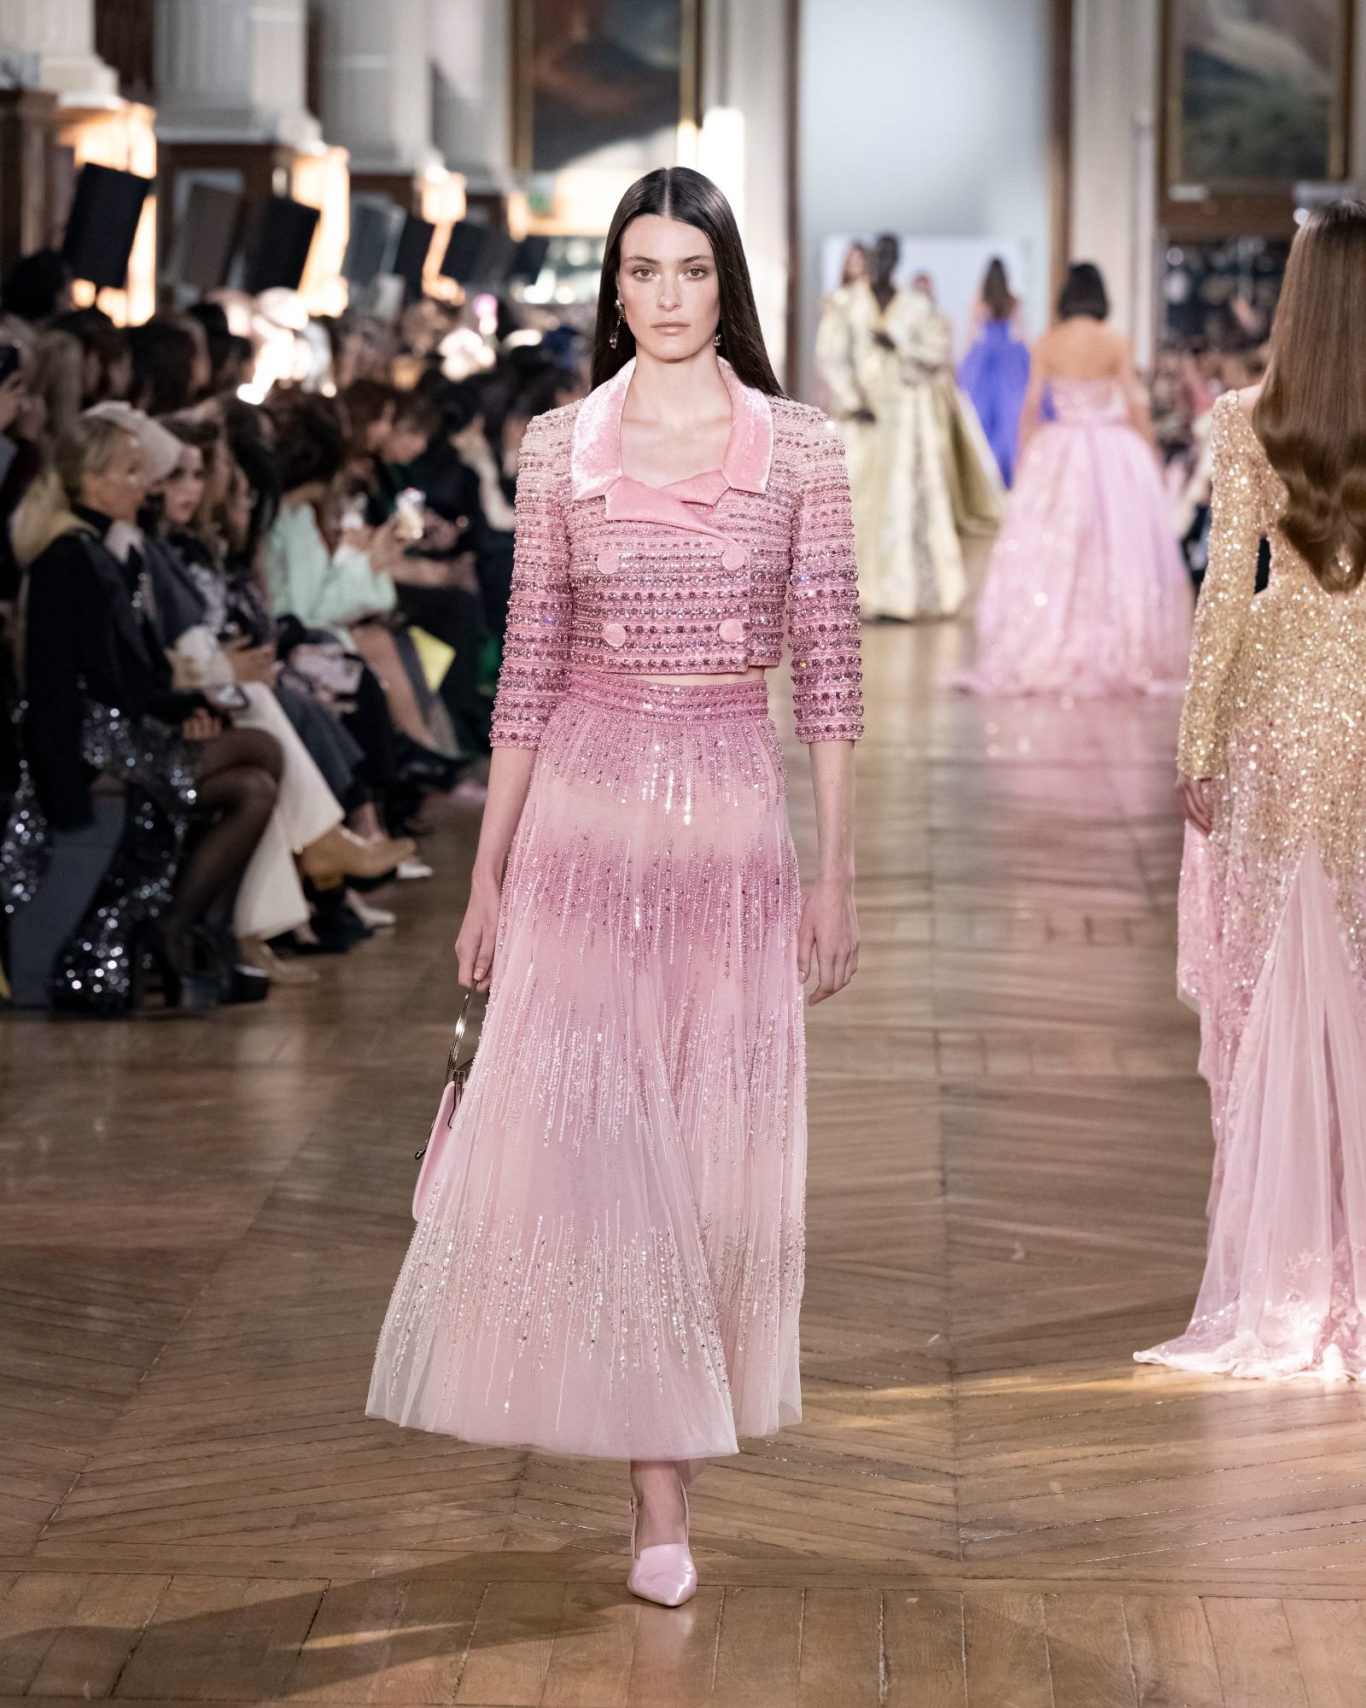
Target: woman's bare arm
{"x": 509, "y": 780}
{"x": 827, "y": 941}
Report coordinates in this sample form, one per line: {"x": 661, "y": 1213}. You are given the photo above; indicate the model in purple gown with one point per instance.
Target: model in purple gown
{"x": 995, "y": 375}
{"x": 995, "y": 371}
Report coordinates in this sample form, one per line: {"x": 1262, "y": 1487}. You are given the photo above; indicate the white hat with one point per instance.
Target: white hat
{"x": 161, "y": 450}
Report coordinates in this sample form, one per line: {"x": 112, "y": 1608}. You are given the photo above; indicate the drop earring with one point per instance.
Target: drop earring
{"x": 616, "y": 330}
{"x": 717, "y": 339}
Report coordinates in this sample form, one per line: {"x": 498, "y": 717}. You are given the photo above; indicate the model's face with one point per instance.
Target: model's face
{"x": 885, "y": 257}
{"x": 183, "y": 488}
{"x": 668, "y": 286}
{"x": 119, "y": 488}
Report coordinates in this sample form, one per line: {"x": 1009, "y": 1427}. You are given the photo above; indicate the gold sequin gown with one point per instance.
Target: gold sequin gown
{"x": 1273, "y": 941}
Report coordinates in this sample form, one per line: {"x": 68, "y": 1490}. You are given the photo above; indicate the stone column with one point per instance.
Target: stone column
{"x": 376, "y": 93}
{"x": 232, "y": 70}
{"x": 62, "y": 34}
{"x": 469, "y": 42}
{"x": 743, "y": 144}
{"x": 1115, "y": 88}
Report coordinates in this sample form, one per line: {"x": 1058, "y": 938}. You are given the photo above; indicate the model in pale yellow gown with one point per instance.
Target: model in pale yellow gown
{"x": 880, "y": 362}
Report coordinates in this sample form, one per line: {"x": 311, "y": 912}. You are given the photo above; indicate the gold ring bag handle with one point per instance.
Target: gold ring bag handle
{"x": 456, "y": 1076}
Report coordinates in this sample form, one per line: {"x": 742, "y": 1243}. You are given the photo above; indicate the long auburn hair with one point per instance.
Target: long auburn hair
{"x": 1311, "y": 414}
{"x": 677, "y": 192}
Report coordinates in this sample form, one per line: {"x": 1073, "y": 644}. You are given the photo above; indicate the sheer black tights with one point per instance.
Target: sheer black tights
{"x": 239, "y": 773}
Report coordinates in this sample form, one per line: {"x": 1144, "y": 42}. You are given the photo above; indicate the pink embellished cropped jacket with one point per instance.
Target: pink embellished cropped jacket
{"x": 703, "y": 576}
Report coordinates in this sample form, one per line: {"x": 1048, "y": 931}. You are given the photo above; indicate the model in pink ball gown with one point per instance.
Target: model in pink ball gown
{"x": 1273, "y": 885}
{"x": 1086, "y": 593}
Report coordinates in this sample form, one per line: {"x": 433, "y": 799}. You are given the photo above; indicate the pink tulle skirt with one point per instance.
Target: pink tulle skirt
{"x": 610, "y": 1260}
{"x": 1086, "y": 593}
{"x": 1284, "y": 1050}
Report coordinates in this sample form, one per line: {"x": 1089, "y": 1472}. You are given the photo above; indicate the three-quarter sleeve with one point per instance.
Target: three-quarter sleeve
{"x": 536, "y": 644}
{"x": 822, "y": 598}
{"x": 1226, "y": 595}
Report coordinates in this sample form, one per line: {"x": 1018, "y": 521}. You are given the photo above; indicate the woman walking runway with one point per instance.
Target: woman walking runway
{"x": 1086, "y": 593}
{"x": 612, "y": 1262}
{"x": 1273, "y": 903}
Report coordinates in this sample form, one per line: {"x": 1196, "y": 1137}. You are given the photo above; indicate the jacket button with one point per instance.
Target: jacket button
{"x": 732, "y": 630}
{"x": 614, "y": 634}
{"x": 608, "y": 560}
{"x": 734, "y": 557}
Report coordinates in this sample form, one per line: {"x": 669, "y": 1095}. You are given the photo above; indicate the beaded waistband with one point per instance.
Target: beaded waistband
{"x": 676, "y": 701}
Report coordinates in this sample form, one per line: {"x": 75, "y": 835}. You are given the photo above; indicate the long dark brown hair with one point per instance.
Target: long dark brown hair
{"x": 677, "y": 192}
{"x": 996, "y": 291}
{"x": 1311, "y": 414}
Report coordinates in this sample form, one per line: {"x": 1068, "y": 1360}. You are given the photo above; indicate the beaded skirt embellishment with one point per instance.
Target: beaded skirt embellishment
{"x": 611, "y": 1261}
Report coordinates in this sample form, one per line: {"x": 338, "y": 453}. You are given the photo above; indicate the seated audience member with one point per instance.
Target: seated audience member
{"x": 107, "y": 364}
{"x": 360, "y": 715}
{"x": 55, "y": 373}
{"x": 307, "y": 822}
{"x": 20, "y": 463}
{"x": 368, "y": 407}
{"x": 37, "y": 287}
{"x": 437, "y": 578}
{"x": 101, "y": 708}
{"x": 338, "y": 588}
{"x": 170, "y": 365}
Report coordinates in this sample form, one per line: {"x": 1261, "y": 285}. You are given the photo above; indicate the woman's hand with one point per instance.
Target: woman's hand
{"x": 251, "y": 663}
{"x": 386, "y": 549}
{"x": 201, "y": 726}
{"x": 478, "y": 932}
{"x": 1196, "y": 801}
{"x": 827, "y": 938}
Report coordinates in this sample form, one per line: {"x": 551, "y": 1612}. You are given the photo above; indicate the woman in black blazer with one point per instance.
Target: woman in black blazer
{"x": 100, "y": 700}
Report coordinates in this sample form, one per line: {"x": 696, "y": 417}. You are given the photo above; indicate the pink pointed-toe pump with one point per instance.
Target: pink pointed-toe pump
{"x": 664, "y": 1574}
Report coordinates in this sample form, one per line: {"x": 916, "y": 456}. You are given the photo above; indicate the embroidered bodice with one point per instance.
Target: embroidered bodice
{"x": 704, "y": 576}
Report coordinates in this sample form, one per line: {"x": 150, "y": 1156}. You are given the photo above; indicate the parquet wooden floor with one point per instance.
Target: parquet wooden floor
{"x": 988, "y": 1505}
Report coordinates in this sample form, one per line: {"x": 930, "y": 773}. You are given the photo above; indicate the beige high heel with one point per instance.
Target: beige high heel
{"x": 256, "y": 952}
{"x": 341, "y": 854}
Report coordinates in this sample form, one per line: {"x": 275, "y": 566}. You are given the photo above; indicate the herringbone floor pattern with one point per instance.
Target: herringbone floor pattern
{"x": 988, "y": 1505}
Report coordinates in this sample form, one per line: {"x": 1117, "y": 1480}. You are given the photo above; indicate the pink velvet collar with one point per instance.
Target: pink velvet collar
{"x": 595, "y": 460}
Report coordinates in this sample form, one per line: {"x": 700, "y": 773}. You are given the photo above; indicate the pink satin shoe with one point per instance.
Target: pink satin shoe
{"x": 664, "y": 1574}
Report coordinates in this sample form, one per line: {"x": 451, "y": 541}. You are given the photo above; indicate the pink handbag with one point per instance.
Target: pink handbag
{"x": 457, "y": 1073}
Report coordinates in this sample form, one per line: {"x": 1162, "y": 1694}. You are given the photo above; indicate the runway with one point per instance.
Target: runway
{"x": 988, "y": 1504}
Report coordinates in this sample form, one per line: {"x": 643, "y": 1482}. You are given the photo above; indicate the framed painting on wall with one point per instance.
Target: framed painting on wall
{"x": 603, "y": 83}
{"x": 1257, "y": 92}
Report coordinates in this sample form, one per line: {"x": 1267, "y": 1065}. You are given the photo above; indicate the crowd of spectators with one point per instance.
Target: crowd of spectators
{"x": 248, "y": 649}
{"x": 1186, "y": 382}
